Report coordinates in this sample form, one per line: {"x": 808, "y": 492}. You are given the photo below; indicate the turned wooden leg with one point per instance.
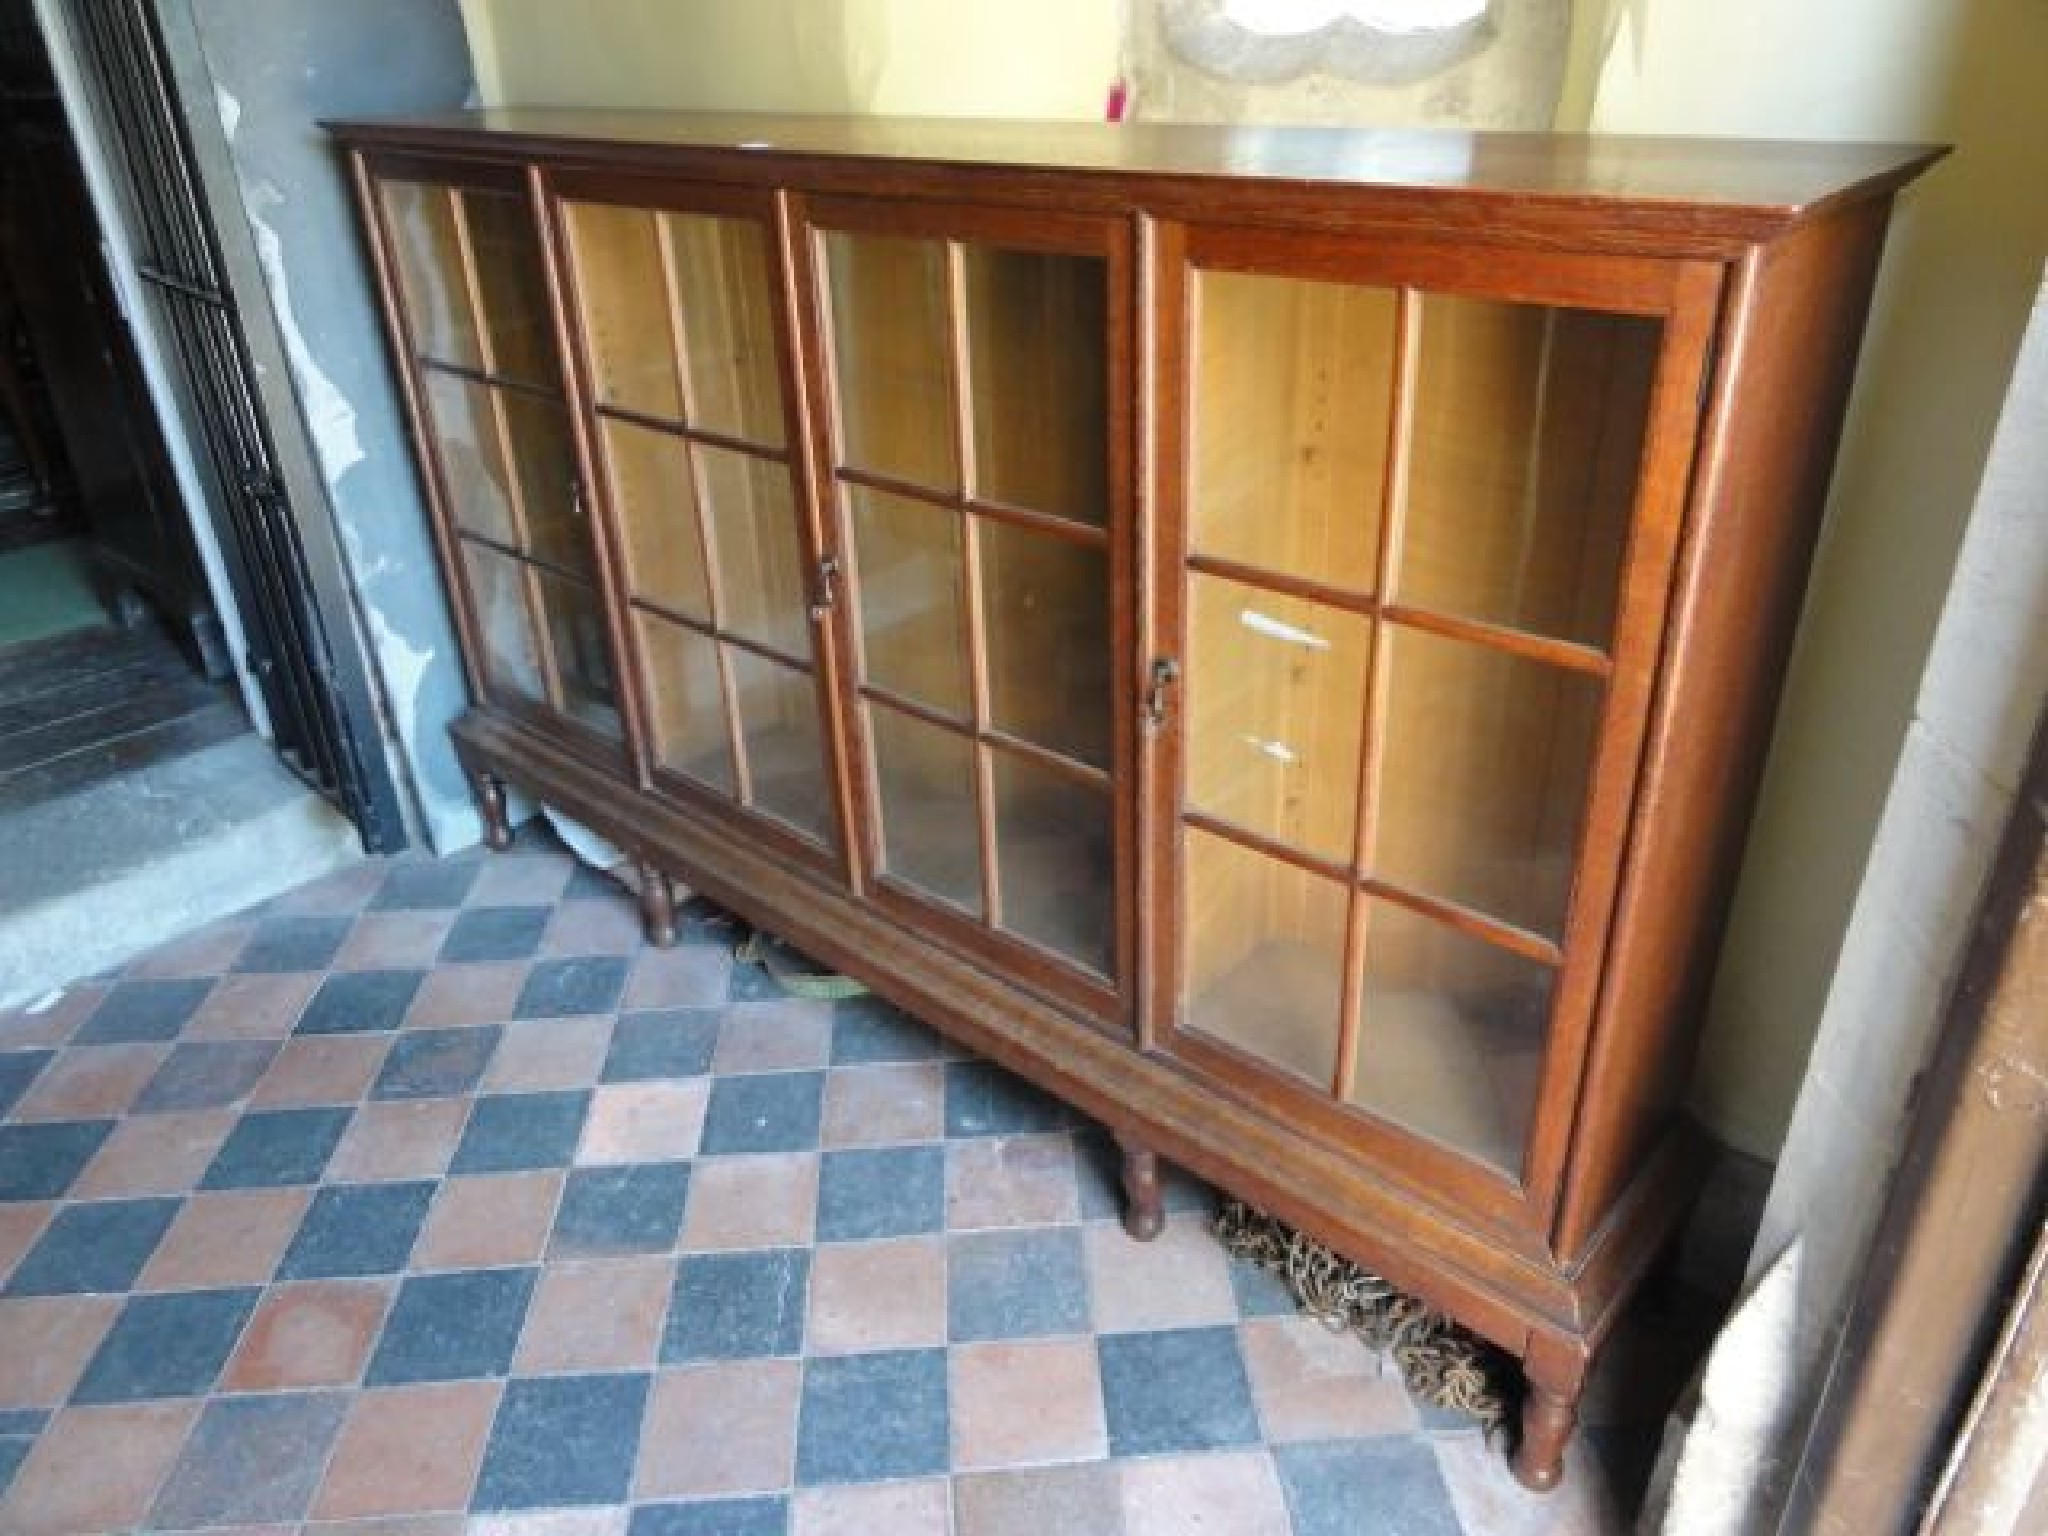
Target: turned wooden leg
{"x": 1557, "y": 1375}
{"x": 657, "y": 906}
{"x": 490, "y": 799}
{"x": 1144, "y": 1200}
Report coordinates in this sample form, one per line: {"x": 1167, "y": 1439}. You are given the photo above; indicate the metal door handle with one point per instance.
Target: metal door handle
{"x": 1165, "y": 673}
{"x": 828, "y": 588}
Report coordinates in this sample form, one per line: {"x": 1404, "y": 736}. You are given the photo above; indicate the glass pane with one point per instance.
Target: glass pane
{"x": 1263, "y": 955}
{"x": 722, "y": 283}
{"x": 1483, "y": 783}
{"x": 511, "y": 287}
{"x": 1528, "y": 434}
{"x": 1056, "y": 860}
{"x": 472, "y": 469}
{"x": 1451, "y": 1038}
{"x": 557, "y": 526}
{"x": 622, "y": 301}
{"x": 583, "y": 663}
{"x": 913, "y": 634}
{"x": 690, "y": 732}
{"x": 497, "y": 590}
{"x": 657, "y": 508}
{"x": 785, "y": 754}
{"x": 1293, "y": 389}
{"x": 930, "y": 837}
{"x": 1037, "y": 329}
{"x": 889, "y": 351}
{"x": 760, "y": 569}
{"x": 1276, "y": 709}
{"x": 1045, "y": 609}
{"x": 421, "y": 220}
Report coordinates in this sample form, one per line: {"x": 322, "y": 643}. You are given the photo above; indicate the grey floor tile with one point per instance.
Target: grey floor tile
{"x": 143, "y": 1010}
{"x": 1260, "y": 1292}
{"x": 1389, "y": 1483}
{"x": 984, "y": 1100}
{"x": 770, "y": 1112}
{"x": 729, "y": 1306}
{"x": 360, "y": 1002}
{"x": 1026, "y": 1283}
{"x": 98, "y": 1248}
{"x": 166, "y": 1346}
{"x": 357, "y": 1229}
{"x": 42, "y": 1162}
{"x": 426, "y": 885}
{"x": 867, "y": 1418}
{"x": 453, "y": 1327}
{"x": 282, "y": 944}
{"x": 763, "y": 1516}
{"x": 559, "y": 989}
{"x": 563, "y": 1441}
{"x": 273, "y": 1148}
{"x": 13, "y": 1452}
{"x": 251, "y": 1460}
{"x": 495, "y": 933}
{"x": 436, "y": 1063}
{"x": 18, "y": 1069}
{"x": 668, "y": 1042}
{"x": 611, "y": 1212}
{"x": 1177, "y": 1389}
{"x": 867, "y": 1031}
{"x": 514, "y": 1132}
{"x": 206, "y": 1075}
{"x": 881, "y": 1192}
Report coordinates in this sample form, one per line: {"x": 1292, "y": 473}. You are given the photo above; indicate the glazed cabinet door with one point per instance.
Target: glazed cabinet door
{"x": 464, "y": 256}
{"x": 979, "y": 469}
{"x": 675, "y": 297}
{"x": 1420, "y": 527}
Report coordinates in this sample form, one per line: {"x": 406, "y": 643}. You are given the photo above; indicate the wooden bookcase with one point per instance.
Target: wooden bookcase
{"x": 1269, "y": 634}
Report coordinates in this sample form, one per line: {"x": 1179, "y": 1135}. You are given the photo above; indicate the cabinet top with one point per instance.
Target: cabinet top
{"x": 1739, "y": 187}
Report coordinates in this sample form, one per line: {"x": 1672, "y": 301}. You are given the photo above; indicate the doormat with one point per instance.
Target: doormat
{"x": 1440, "y": 1362}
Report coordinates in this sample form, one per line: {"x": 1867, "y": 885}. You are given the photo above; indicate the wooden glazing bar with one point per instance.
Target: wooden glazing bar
{"x": 486, "y": 376}
{"x": 970, "y": 564}
{"x": 1567, "y": 654}
{"x": 1494, "y": 637}
{"x": 1050, "y": 761}
{"x": 1521, "y": 941}
{"x": 1372, "y": 734}
{"x": 918, "y": 711}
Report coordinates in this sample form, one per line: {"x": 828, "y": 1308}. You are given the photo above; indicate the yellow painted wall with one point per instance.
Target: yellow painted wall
{"x": 949, "y": 58}
{"x": 1957, "y": 282}
{"x": 1960, "y": 274}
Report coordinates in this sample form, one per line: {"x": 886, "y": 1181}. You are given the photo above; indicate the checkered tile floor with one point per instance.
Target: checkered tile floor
{"x": 428, "y": 1199}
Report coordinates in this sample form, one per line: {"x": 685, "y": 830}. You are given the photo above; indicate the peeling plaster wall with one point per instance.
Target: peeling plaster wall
{"x": 278, "y": 67}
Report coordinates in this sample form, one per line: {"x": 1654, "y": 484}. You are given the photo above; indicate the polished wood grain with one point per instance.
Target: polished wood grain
{"x": 1385, "y": 545}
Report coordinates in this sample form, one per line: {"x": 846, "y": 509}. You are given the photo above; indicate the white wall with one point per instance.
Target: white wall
{"x": 947, "y": 58}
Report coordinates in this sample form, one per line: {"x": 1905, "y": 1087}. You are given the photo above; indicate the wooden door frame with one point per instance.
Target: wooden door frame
{"x": 1923, "y": 1424}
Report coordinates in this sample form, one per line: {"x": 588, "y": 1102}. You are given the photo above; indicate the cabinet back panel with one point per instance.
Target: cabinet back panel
{"x": 1523, "y": 463}
{"x": 656, "y": 507}
{"x": 891, "y": 354}
{"x": 1275, "y": 714}
{"x": 1038, "y": 380}
{"x": 909, "y": 584}
{"x": 1293, "y": 387}
{"x": 623, "y": 303}
{"x": 424, "y": 236}
{"x": 729, "y": 358}
{"x": 1483, "y": 777}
